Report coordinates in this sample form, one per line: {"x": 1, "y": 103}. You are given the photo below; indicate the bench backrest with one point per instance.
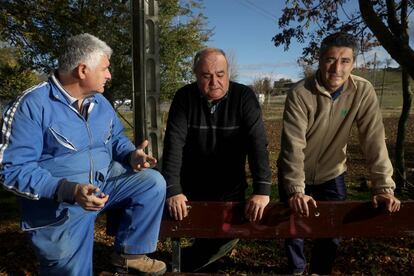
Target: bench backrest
{"x": 330, "y": 219}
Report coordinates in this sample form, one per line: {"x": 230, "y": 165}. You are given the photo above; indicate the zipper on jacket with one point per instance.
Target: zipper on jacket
{"x": 91, "y": 174}
{"x": 323, "y": 141}
{"x": 91, "y": 166}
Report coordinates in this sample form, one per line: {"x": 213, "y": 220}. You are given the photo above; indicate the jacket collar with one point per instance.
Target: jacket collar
{"x": 348, "y": 87}
{"x": 61, "y": 94}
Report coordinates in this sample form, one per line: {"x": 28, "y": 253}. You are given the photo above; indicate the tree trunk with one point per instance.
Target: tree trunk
{"x": 399, "y": 147}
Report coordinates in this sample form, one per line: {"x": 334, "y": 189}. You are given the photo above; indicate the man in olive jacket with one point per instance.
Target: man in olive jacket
{"x": 319, "y": 112}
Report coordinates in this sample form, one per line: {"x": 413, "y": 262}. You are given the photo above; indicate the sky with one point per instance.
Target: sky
{"x": 244, "y": 28}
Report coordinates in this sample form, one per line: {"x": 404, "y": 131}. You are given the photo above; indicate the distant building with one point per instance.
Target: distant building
{"x": 281, "y": 86}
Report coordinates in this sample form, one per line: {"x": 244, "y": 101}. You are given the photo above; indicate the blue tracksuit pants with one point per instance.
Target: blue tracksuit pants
{"x": 66, "y": 248}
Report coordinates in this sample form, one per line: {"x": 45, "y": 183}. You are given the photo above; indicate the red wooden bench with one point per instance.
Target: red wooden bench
{"x": 331, "y": 219}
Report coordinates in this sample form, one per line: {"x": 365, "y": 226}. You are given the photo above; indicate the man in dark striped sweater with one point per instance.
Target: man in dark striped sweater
{"x": 213, "y": 126}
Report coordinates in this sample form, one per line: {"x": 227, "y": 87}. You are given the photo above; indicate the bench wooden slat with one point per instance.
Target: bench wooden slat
{"x": 330, "y": 219}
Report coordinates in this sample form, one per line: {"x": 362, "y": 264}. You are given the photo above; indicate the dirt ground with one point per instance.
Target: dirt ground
{"x": 392, "y": 256}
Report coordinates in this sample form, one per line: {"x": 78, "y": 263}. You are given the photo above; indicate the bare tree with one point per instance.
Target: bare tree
{"x": 263, "y": 86}
{"x": 233, "y": 66}
{"x": 307, "y": 69}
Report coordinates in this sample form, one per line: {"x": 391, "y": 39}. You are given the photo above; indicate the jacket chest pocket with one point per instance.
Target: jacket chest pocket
{"x": 63, "y": 138}
{"x": 107, "y": 134}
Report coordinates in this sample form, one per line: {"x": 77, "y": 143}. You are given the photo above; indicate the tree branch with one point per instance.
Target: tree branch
{"x": 398, "y": 50}
{"x": 393, "y": 23}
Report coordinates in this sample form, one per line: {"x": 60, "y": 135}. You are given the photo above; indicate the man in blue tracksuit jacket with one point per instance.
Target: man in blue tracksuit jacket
{"x": 63, "y": 152}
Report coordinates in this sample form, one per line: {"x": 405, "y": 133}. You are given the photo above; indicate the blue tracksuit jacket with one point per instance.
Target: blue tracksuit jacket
{"x": 45, "y": 139}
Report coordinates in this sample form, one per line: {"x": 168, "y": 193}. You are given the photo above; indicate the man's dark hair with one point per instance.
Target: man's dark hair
{"x": 339, "y": 39}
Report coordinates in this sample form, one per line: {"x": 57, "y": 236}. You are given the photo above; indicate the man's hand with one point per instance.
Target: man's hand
{"x": 89, "y": 197}
{"x": 298, "y": 202}
{"x": 177, "y": 206}
{"x": 139, "y": 160}
{"x": 391, "y": 202}
{"x": 255, "y": 206}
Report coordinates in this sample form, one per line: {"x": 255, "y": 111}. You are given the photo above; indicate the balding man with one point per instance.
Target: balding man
{"x": 213, "y": 126}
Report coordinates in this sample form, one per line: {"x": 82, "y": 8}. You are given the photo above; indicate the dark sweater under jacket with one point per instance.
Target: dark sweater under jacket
{"x": 206, "y": 145}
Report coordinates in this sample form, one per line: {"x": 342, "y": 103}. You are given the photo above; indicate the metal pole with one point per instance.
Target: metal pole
{"x": 138, "y": 80}
{"x": 146, "y": 76}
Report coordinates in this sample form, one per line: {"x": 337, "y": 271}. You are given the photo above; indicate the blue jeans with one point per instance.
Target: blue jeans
{"x": 324, "y": 250}
{"x": 66, "y": 248}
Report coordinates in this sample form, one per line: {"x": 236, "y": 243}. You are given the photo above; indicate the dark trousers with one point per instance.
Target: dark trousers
{"x": 324, "y": 250}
